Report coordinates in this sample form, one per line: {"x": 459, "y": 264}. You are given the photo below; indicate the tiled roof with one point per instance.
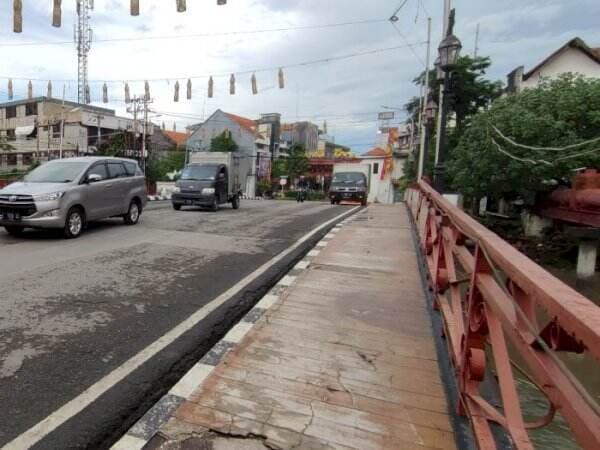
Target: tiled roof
{"x": 248, "y": 124}
{"x": 175, "y": 136}
{"x": 377, "y": 151}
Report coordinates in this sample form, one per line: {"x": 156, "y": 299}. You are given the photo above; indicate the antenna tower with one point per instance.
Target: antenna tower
{"x": 83, "y": 40}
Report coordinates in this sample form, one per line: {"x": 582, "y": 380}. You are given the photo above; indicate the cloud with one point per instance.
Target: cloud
{"x": 347, "y": 93}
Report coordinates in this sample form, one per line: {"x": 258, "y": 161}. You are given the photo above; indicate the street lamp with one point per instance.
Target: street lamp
{"x": 430, "y": 114}
{"x": 449, "y": 51}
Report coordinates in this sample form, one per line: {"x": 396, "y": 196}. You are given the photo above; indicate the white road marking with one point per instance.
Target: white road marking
{"x": 267, "y": 301}
{"x": 73, "y": 407}
{"x": 302, "y": 265}
{"x": 191, "y": 380}
{"x": 313, "y": 253}
{"x": 322, "y": 244}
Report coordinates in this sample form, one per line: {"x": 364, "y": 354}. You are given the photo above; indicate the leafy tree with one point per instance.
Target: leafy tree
{"x": 558, "y": 113}
{"x": 223, "y": 143}
{"x": 158, "y": 168}
{"x": 115, "y": 146}
{"x": 297, "y": 164}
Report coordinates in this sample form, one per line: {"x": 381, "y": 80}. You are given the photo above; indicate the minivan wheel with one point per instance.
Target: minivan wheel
{"x": 74, "y": 223}
{"x": 14, "y": 231}
{"x": 235, "y": 203}
{"x": 176, "y": 207}
{"x": 133, "y": 214}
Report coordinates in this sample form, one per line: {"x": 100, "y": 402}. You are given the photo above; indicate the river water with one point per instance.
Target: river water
{"x": 558, "y": 435}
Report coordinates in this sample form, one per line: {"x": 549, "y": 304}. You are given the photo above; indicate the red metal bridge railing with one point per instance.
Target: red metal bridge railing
{"x": 492, "y": 298}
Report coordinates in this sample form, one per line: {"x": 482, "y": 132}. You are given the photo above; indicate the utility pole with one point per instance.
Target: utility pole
{"x": 62, "y": 125}
{"x": 422, "y": 128}
{"x": 476, "y": 42}
{"x": 99, "y": 117}
{"x": 447, "y": 7}
{"x": 82, "y": 35}
{"x": 147, "y": 101}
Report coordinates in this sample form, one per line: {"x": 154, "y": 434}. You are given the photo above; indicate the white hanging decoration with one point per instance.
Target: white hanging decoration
{"x": 146, "y": 90}
{"x": 211, "y": 86}
{"x": 104, "y": 93}
{"x": 56, "y": 14}
{"x": 232, "y": 85}
{"x": 135, "y": 7}
{"x": 176, "y": 94}
{"x": 29, "y": 90}
{"x": 88, "y": 96}
{"x": 281, "y": 79}
{"x": 127, "y": 94}
{"x": 254, "y": 84}
{"x": 10, "y": 89}
{"x": 189, "y": 89}
{"x": 49, "y": 94}
{"x": 181, "y": 7}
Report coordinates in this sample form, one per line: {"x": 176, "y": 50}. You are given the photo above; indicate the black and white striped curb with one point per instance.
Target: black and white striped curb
{"x": 155, "y": 198}
{"x": 145, "y": 428}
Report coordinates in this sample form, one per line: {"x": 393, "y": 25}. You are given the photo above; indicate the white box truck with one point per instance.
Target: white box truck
{"x": 350, "y": 182}
{"x": 211, "y": 179}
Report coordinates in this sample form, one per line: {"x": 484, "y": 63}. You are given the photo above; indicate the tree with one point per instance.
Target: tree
{"x": 116, "y": 146}
{"x": 558, "y": 113}
{"x": 297, "y": 163}
{"x": 223, "y": 143}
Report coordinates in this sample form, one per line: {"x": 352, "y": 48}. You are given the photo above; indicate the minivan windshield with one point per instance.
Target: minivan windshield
{"x": 349, "y": 178}
{"x": 199, "y": 173}
{"x": 56, "y": 172}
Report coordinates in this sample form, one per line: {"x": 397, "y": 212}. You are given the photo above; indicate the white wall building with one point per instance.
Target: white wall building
{"x": 575, "y": 57}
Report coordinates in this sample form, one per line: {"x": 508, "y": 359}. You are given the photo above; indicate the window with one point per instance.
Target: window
{"x": 11, "y": 112}
{"x": 11, "y": 159}
{"x": 31, "y": 109}
{"x": 11, "y": 135}
{"x": 99, "y": 169}
{"x": 375, "y": 168}
{"x": 27, "y": 159}
{"x": 56, "y": 131}
{"x": 131, "y": 169}
{"x": 116, "y": 170}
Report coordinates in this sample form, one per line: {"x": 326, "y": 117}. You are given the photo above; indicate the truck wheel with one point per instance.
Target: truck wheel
{"x": 14, "y": 231}
{"x": 235, "y": 203}
{"x": 74, "y": 223}
{"x": 214, "y": 207}
{"x": 364, "y": 202}
{"x": 176, "y": 207}
{"x": 333, "y": 201}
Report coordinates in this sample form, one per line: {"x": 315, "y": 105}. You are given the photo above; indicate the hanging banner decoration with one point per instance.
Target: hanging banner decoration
{"x": 88, "y": 97}
{"x": 176, "y": 94}
{"x": 181, "y": 6}
{"x": 104, "y": 93}
{"x": 127, "y": 94}
{"x": 254, "y": 84}
{"x": 17, "y": 16}
{"x": 29, "y": 90}
{"x": 189, "y": 89}
{"x": 49, "y": 94}
{"x": 135, "y": 7}
{"x": 56, "y": 14}
{"x": 280, "y": 78}
{"x": 232, "y": 85}
{"x": 210, "y": 87}
{"x": 10, "y": 90}
{"x": 163, "y": 125}
{"x": 146, "y": 90}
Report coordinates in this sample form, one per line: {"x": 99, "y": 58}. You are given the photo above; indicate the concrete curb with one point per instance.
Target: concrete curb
{"x": 156, "y": 198}
{"x": 144, "y": 429}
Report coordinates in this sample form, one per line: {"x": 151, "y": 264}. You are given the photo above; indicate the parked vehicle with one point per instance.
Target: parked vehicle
{"x": 69, "y": 193}
{"x": 350, "y": 183}
{"x": 211, "y": 179}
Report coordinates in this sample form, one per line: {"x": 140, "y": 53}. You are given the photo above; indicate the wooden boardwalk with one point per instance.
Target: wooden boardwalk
{"x": 344, "y": 358}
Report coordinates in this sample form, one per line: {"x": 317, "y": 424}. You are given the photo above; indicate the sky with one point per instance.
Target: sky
{"x": 262, "y": 35}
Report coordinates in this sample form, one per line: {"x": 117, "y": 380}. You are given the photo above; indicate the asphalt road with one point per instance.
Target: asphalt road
{"x": 72, "y": 312}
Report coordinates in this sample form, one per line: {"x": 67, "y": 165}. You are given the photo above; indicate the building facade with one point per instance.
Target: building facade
{"x": 30, "y": 130}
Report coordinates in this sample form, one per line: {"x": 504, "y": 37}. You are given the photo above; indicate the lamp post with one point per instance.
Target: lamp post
{"x": 430, "y": 113}
{"x": 449, "y": 50}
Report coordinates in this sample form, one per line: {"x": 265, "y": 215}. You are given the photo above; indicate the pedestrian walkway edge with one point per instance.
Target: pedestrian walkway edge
{"x": 146, "y": 428}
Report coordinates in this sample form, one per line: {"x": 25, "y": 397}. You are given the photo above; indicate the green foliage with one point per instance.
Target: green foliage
{"x": 297, "y": 163}
{"x": 34, "y": 165}
{"x": 264, "y": 186}
{"x": 556, "y": 114}
{"x": 310, "y": 196}
{"x": 115, "y": 146}
{"x": 279, "y": 169}
{"x": 157, "y": 169}
{"x": 223, "y": 143}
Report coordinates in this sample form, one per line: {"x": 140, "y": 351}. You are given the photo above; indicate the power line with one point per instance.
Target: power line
{"x": 202, "y": 35}
{"x": 242, "y": 72}
{"x": 408, "y": 44}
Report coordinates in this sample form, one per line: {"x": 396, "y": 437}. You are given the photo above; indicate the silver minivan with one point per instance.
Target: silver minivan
{"x": 68, "y": 193}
